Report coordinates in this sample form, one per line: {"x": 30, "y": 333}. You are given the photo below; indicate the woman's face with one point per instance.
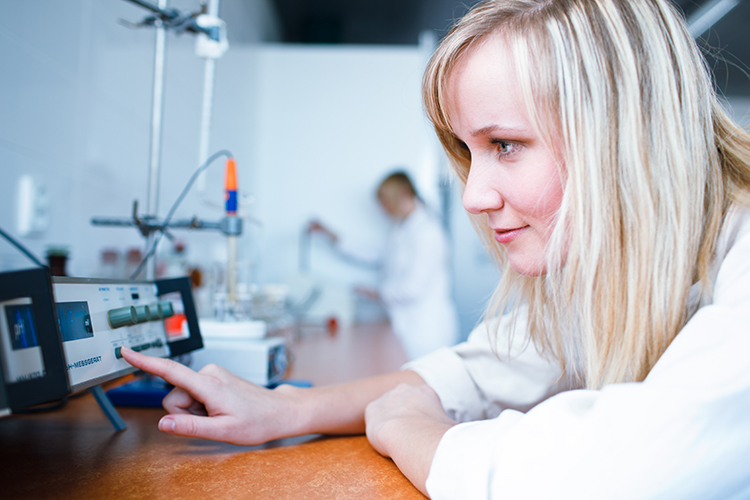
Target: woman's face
{"x": 514, "y": 178}
{"x": 396, "y": 202}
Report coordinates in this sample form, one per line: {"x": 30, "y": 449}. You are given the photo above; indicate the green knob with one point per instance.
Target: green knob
{"x": 156, "y": 312}
{"x": 143, "y": 314}
{"x": 124, "y": 316}
{"x": 166, "y": 309}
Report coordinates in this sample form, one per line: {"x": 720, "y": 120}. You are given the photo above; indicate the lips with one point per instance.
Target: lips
{"x": 505, "y": 236}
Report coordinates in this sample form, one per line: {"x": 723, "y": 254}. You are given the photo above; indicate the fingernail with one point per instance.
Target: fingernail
{"x": 166, "y": 424}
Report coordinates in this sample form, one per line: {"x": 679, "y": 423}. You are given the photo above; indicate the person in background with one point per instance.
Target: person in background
{"x": 414, "y": 265}
{"x": 605, "y": 175}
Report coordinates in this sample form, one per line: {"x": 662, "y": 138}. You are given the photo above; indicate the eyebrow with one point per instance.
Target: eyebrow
{"x": 496, "y": 128}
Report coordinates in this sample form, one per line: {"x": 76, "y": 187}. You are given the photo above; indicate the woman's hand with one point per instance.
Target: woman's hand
{"x": 367, "y": 292}
{"x": 216, "y": 404}
{"x": 318, "y": 227}
{"x": 407, "y": 424}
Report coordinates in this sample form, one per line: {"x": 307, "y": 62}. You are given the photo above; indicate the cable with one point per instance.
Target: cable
{"x": 21, "y": 248}
{"x": 206, "y": 164}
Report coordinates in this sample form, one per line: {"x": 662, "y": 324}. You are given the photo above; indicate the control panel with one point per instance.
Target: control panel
{"x": 97, "y": 318}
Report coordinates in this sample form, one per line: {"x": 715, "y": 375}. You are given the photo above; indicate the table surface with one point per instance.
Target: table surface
{"x": 74, "y": 452}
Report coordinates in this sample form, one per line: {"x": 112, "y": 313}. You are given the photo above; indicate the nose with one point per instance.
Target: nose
{"x": 480, "y": 194}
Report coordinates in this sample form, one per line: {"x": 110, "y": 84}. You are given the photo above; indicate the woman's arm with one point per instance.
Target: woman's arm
{"x": 216, "y": 404}
{"x": 406, "y": 424}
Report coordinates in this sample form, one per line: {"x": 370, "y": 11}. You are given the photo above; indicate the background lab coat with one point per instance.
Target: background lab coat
{"x": 683, "y": 433}
{"x": 416, "y": 285}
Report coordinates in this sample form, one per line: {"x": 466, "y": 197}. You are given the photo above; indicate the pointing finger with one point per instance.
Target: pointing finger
{"x": 175, "y": 373}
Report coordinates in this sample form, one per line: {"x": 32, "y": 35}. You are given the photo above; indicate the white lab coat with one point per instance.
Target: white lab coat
{"x": 415, "y": 282}
{"x": 683, "y": 433}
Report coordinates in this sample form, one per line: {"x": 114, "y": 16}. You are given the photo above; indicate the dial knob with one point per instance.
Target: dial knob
{"x": 123, "y": 316}
{"x": 166, "y": 309}
{"x": 143, "y": 314}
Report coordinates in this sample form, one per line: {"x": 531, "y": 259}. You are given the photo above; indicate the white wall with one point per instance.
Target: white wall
{"x": 332, "y": 122}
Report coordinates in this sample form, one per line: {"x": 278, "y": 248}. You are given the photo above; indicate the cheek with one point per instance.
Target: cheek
{"x": 551, "y": 199}
{"x": 541, "y": 200}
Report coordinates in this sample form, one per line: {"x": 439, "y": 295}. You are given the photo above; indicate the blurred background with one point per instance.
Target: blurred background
{"x": 317, "y": 100}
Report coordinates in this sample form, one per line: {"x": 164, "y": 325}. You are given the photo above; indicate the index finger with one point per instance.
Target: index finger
{"x": 173, "y": 372}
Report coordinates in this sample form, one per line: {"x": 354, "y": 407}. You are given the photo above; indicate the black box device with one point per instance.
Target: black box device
{"x": 62, "y": 335}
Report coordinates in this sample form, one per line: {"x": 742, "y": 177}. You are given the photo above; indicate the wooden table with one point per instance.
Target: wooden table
{"x": 74, "y": 452}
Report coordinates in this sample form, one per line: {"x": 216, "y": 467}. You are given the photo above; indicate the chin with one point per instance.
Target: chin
{"x": 528, "y": 268}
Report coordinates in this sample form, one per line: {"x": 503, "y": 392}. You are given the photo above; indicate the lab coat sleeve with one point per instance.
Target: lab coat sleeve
{"x": 683, "y": 433}
{"x": 480, "y": 377}
{"x": 427, "y": 258}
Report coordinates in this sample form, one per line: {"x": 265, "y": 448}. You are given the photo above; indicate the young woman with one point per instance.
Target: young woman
{"x": 613, "y": 188}
{"x": 414, "y": 269}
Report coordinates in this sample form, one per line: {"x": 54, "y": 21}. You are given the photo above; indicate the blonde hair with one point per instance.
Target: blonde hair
{"x": 652, "y": 165}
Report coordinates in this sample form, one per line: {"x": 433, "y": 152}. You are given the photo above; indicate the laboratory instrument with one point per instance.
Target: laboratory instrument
{"x": 63, "y": 335}
{"x": 32, "y": 370}
{"x": 242, "y": 351}
{"x": 60, "y": 335}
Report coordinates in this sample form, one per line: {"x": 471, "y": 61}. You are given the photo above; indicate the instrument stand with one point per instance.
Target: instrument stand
{"x": 109, "y": 410}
